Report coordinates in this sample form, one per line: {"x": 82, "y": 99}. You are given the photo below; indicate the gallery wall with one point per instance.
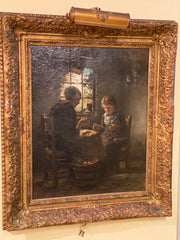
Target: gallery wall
{"x": 143, "y": 228}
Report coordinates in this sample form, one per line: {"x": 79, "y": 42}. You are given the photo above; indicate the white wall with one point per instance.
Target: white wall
{"x": 140, "y": 229}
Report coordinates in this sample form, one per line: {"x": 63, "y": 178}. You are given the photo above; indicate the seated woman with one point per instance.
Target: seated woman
{"x": 66, "y": 127}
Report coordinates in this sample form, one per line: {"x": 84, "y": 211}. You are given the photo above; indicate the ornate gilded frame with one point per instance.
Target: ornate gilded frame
{"x": 19, "y": 210}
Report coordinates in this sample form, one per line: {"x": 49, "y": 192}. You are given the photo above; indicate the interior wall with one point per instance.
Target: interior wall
{"x": 49, "y": 65}
{"x": 142, "y": 228}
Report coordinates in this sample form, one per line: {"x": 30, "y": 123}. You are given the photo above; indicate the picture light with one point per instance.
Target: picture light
{"x": 96, "y": 17}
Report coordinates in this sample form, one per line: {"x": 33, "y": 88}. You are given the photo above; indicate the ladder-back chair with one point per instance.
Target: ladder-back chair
{"x": 125, "y": 150}
{"x": 57, "y": 165}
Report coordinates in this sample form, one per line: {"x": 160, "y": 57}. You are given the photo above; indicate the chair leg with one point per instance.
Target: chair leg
{"x": 55, "y": 181}
{"x": 127, "y": 159}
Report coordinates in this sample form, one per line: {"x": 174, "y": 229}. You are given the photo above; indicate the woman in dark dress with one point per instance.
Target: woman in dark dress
{"x": 66, "y": 127}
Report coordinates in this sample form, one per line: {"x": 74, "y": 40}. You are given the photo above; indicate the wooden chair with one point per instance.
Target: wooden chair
{"x": 125, "y": 150}
{"x": 57, "y": 165}
{"x": 123, "y": 159}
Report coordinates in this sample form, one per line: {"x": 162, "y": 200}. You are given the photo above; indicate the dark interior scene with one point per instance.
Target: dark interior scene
{"x": 96, "y": 72}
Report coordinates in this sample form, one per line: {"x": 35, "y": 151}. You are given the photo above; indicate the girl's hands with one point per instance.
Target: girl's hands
{"x": 96, "y": 127}
{"x": 113, "y": 127}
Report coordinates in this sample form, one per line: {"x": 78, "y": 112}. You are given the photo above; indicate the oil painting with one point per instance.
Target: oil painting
{"x": 87, "y": 120}
{"x": 97, "y": 149}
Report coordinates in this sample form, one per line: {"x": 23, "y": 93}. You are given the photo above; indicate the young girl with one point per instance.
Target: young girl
{"x": 114, "y": 132}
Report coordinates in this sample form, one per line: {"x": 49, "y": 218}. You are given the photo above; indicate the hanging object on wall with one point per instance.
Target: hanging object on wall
{"x": 96, "y": 17}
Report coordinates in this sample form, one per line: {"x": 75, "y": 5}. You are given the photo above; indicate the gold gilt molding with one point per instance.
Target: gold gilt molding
{"x": 19, "y": 211}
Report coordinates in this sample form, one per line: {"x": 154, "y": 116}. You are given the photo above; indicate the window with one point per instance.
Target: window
{"x": 84, "y": 80}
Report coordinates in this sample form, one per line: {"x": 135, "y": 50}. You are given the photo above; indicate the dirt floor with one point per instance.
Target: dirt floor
{"x": 132, "y": 179}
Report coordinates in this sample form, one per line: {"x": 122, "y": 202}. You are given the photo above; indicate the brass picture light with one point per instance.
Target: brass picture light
{"x": 96, "y": 17}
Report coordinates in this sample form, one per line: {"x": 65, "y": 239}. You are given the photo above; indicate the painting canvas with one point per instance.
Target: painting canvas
{"x": 121, "y": 73}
